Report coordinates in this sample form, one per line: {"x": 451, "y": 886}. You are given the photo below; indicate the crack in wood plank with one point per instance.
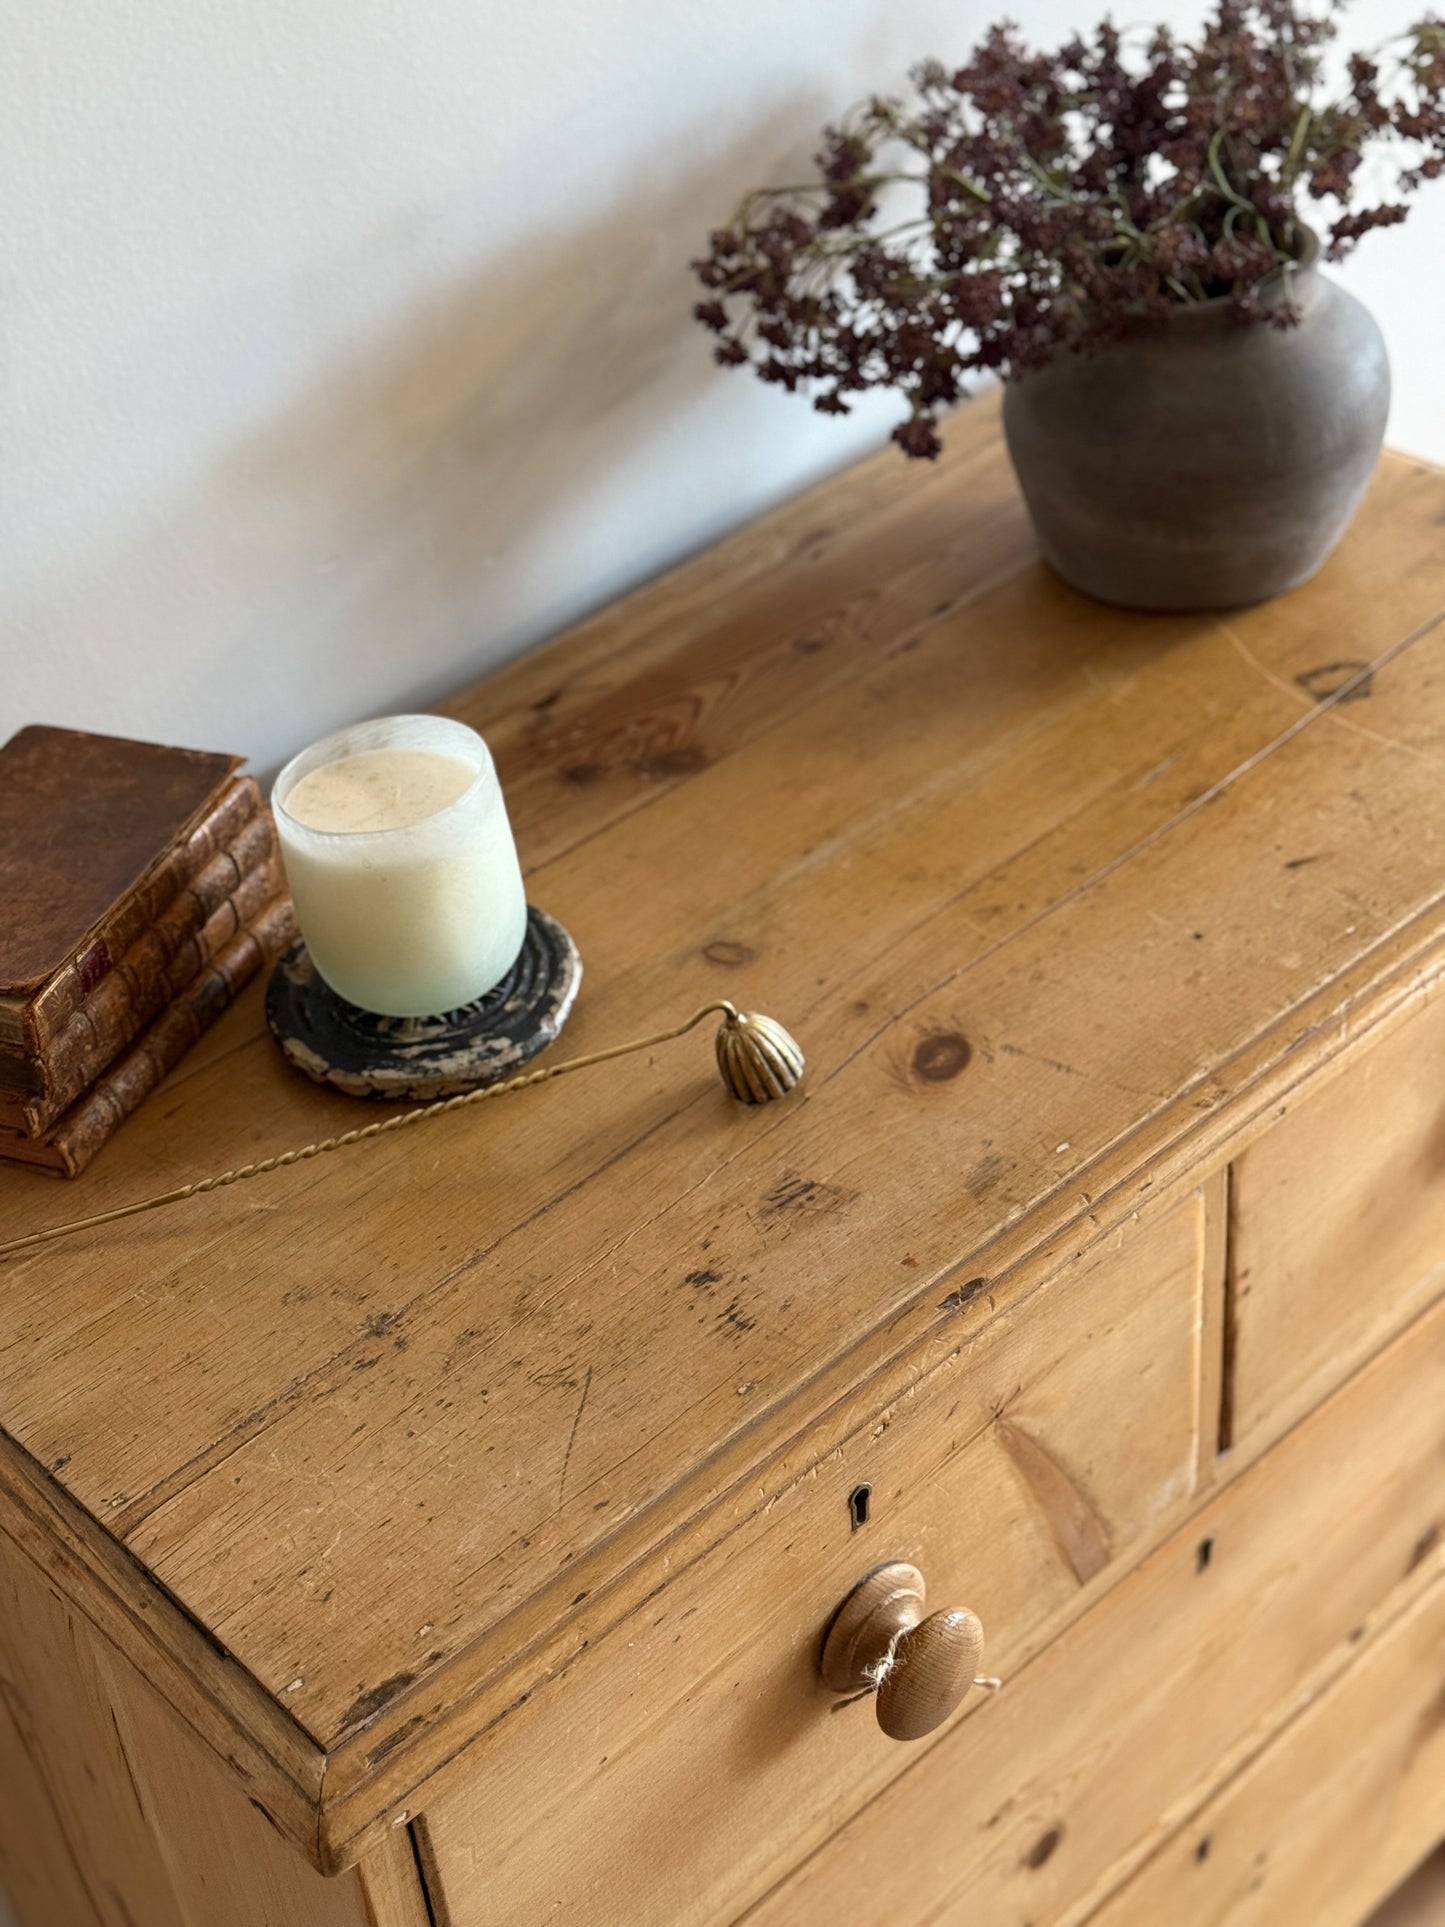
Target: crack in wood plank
{"x": 572, "y": 1435}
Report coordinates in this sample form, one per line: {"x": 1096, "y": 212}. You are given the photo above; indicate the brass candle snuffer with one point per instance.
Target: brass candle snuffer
{"x": 756, "y": 1058}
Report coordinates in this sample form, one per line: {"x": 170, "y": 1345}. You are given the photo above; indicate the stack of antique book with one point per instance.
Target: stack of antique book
{"x": 140, "y": 890}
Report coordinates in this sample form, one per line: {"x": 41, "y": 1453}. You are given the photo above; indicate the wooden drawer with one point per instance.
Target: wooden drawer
{"x": 694, "y": 1756}
{"x": 1337, "y": 1221}
{"x": 1037, "y": 1804}
{"x": 1331, "y": 1816}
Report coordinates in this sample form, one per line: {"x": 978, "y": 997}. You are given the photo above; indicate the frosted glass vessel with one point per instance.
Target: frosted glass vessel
{"x": 401, "y": 864}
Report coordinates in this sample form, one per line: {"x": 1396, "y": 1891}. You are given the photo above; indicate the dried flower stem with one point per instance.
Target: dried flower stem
{"x": 1065, "y": 198}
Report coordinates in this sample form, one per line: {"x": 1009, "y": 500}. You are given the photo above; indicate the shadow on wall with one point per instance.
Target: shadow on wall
{"x": 506, "y": 460}
{"x": 451, "y": 460}
{"x": 523, "y": 448}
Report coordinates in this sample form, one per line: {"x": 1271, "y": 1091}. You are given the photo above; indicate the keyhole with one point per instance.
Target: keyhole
{"x": 858, "y": 1505}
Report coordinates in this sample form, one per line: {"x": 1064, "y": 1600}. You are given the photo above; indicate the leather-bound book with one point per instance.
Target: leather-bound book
{"x": 69, "y": 1145}
{"x": 97, "y": 835}
{"x": 162, "y": 958}
{"x": 155, "y": 971}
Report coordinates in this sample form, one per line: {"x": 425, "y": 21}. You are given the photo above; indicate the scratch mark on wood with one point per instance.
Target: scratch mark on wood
{"x": 792, "y": 1193}
{"x": 572, "y": 1435}
{"x": 962, "y": 1295}
{"x": 990, "y": 1170}
{"x": 1349, "y": 681}
{"x": 140, "y": 1805}
{"x": 393, "y": 1740}
{"x": 368, "y": 1704}
{"x": 1078, "y": 1530}
{"x": 794, "y": 1199}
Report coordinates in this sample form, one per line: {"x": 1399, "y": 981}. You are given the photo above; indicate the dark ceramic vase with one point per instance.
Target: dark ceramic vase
{"x": 1200, "y": 464}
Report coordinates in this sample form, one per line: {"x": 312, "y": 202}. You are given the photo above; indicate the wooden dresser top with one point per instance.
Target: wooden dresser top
{"x": 1051, "y": 895}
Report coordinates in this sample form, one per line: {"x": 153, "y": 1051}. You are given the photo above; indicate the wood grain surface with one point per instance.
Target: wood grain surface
{"x": 114, "y": 1815}
{"x": 1337, "y": 1219}
{"x": 1038, "y": 1804}
{"x": 1059, "y": 901}
{"x": 1021, "y": 1475}
{"x": 1337, "y": 1811}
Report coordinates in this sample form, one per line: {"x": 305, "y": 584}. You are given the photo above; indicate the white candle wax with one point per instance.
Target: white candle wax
{"x": 402, "y": 865}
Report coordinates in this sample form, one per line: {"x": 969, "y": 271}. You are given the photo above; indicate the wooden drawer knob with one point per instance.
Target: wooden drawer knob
{"x": 918, "y": 1668}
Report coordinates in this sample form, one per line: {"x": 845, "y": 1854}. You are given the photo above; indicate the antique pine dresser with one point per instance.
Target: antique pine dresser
{"x": 445, "y": 1531}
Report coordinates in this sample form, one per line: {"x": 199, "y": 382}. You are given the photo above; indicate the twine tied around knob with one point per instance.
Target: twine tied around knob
{"x": 884, "y": 1674}
{"x": 757, "y": 1060}
{"x": 884, "y": 1664}
{"x": 880, "y": 1646}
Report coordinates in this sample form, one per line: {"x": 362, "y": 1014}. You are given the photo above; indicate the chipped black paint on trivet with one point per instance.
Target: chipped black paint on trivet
{"x": 355, "y": 1051}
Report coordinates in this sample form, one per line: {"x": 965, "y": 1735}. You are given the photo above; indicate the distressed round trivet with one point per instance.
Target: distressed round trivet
{"x": 365, "y": 1055}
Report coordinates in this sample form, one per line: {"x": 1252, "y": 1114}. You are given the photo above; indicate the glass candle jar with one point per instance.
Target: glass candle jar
{"x": 401, "y": 864}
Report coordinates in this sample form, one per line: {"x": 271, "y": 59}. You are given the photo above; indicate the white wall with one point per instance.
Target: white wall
{"x": 346, "y": 345}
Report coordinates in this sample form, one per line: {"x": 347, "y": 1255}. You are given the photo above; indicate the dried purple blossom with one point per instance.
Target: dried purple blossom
{"x": 1060, "y": 199}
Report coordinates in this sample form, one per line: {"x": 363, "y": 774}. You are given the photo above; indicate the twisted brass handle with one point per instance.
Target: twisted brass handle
{"x": 756, "y": 1059}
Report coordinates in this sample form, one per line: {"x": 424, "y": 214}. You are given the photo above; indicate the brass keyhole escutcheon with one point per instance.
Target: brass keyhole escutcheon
{"x": 919, "y": 1667}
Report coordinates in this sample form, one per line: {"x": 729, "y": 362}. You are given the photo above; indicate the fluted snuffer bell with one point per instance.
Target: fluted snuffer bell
{"x": 757, "y": 1057}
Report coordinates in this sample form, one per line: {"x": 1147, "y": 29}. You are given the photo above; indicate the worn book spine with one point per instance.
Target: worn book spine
{"x": 27, "y": 1027}
{"x": 126, "y": 1000}
{"x": 95, "y": 1038}
{"x": 71, "y": 1143}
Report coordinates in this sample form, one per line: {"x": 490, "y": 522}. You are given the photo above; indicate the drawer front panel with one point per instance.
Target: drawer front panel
{"x": 1337, "y": 1228}
{"x": 1332, "y": 1816}
{"x": 1045, "y": 1798}
{"x": 694, "y": 1756}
